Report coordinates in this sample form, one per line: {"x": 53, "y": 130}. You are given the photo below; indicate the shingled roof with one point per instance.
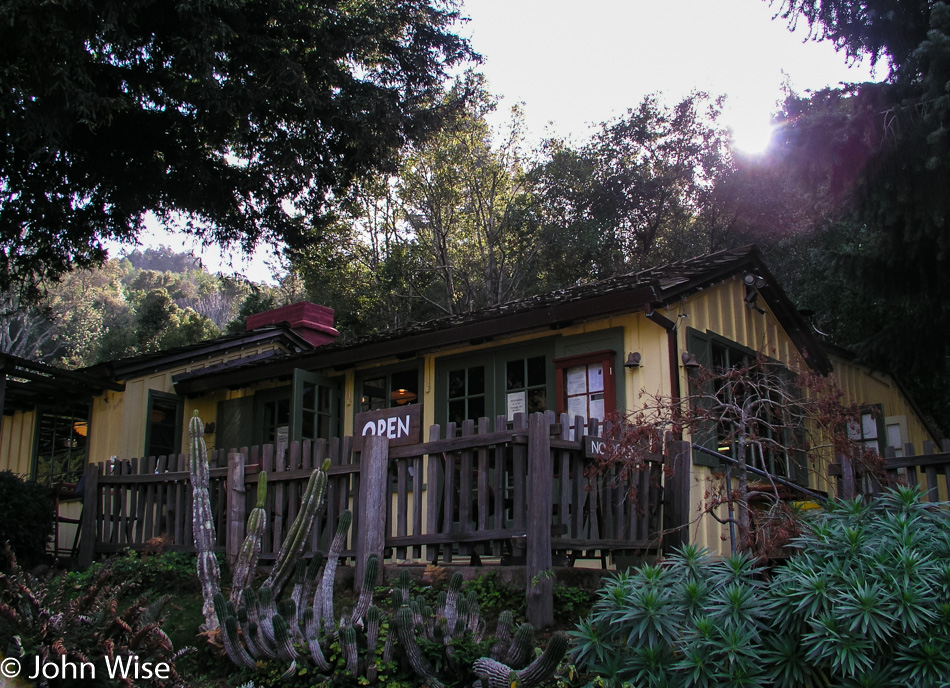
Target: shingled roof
{"x": 627, "y": 293}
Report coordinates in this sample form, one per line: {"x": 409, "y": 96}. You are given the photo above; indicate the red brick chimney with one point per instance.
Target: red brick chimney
{"x": 312, "y": 322}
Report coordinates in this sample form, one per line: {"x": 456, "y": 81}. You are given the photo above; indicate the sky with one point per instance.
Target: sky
{"x": 573, "y": 65}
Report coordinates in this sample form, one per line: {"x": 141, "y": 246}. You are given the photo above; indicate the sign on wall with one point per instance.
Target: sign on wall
{"x": 401, "y": 424}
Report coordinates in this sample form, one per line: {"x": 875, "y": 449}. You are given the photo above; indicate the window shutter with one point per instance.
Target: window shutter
{"x": 699, "y": 346}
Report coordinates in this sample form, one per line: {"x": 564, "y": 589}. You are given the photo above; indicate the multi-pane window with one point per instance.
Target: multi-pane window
{"x": 586, "y": 385}
{"x": 526, "y": 388}
{"x": 61, "y": 444}
{"x": 316, "y": 411}
{"x": 747, "y": 402}
{"x": 275, "y": 419}
{"x": 387, "y": 390}
{"x": 466, "y": 394}
{"x": 868, "y": 431}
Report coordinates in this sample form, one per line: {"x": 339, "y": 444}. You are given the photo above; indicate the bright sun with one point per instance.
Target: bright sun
{"x": 751, "y": 134}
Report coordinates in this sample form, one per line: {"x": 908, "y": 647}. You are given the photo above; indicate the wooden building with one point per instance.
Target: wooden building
{"x": 590, "y": 350}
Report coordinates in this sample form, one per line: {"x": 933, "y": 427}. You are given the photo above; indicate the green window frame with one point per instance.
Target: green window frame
{"x": 163, "y": 424}
{"x": 500, "y": 381}
{"x": 308, "y": 409}
{"x": 60, "y": 444}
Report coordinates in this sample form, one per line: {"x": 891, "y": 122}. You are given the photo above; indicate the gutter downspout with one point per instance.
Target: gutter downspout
{"x": 673, "y": 352}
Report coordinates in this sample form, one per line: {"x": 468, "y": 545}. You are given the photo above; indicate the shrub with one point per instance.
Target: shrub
{"x": 865, "y": 601}
{"x": 27, "y": 511}
{"x": 162, "y": 573}
{"x": 37, "y": 620}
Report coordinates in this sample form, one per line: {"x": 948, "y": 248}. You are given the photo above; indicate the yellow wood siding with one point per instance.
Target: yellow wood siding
{"x": 861, "y": 385}
{"x": 16, "y": 443}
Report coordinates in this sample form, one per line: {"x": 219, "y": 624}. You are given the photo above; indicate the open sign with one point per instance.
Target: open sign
{"x": 401, "y": 425}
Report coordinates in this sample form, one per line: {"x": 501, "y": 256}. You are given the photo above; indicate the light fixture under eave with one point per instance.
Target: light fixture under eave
{"x": 689, "y": 360}
{"x": 81, "y": 428}
{"x": 633, "y": 360}
{"x": 403, "y": 396}
{"x": 753, "y": 280}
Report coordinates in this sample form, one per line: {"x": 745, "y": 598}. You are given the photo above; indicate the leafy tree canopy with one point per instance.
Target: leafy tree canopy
{"x": 884, "y": 153}
{"x": 232, "y": 119}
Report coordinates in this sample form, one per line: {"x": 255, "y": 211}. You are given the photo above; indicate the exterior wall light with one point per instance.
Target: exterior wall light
{"x": 633, "y": 360}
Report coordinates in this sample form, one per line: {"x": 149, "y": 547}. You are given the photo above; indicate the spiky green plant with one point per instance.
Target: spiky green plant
{"x": 865, "y": 601}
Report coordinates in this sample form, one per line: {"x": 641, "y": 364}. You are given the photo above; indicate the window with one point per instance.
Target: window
{"x": 273, "y": 409}
{"x": 869, "y": 430}
{"x": 61, "y": 449}
{"x": 315, "y": 402}
{"x": 526, "y": 389}
{"x": 777, "y": 428}
{"x": 307, "y": 410}
{"x": 500, "y": 382}
{"x": 386, "y": 390}
{"x": 164, "y": 419}
{"x": 467, "y": 398}
{"x": 586, "y": 385}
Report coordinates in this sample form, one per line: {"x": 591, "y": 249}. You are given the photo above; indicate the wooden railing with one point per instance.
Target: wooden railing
{"x": 928, "y": 471}
{"x": 520, "y": 493}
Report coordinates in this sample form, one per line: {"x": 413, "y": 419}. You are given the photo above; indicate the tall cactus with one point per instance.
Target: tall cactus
{"x": 296, "y": 538}
{"x": 246, "y": 562}
{"x": 203, "y": 521}
{"x": 298, "y": 630}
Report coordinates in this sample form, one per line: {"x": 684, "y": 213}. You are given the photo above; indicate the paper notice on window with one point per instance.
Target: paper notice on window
{"x": 597, "y": 406}
{"x": 595, "y": 378}
{"x": 517, "y": 403}
{"x": 576, "y": 380}
{"x": 577, "y": 406}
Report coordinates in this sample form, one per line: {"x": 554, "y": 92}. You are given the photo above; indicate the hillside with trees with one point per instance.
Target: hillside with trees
{"x": 142, "y": 301}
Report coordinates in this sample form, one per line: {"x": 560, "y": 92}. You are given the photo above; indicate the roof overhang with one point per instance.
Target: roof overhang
{"x": 26, "y": 384}
{"x": 401, "y": 344}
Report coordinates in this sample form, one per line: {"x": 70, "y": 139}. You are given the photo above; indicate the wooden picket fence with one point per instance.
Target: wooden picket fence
{"x": 929, "y": 471}
{"x": 518, "y": 493}
{"x": 468, "y": 500}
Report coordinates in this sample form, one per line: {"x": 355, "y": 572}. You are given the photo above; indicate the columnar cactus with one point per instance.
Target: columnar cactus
{"x": 299, "y": 629}
{"x": 296, "y": 538}
{"x": 203, "y": 521}
{"x": 246, "y": 562}
{"x": 494, "y": 674}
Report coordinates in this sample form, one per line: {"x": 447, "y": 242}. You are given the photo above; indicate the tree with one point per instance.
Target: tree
{"x": 899, "y": 201}
{"x": 233, "y": 120}
{"x": 632, "y": 193}
{"x": 877, "y": 29}
{"x": 769, "y": 426}
{"x": 453, "y": 231}
{"x": 466, "y": 204}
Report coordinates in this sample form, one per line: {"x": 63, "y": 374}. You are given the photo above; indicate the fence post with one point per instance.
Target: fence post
{"x": 848, "y": 487}
{"x": 90, "y": 516}
{"x": 373, "y": 504}
{"x": 676, "y": 496}
{"x": 237, "y": 507}
{"x": 539, "y": 568}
